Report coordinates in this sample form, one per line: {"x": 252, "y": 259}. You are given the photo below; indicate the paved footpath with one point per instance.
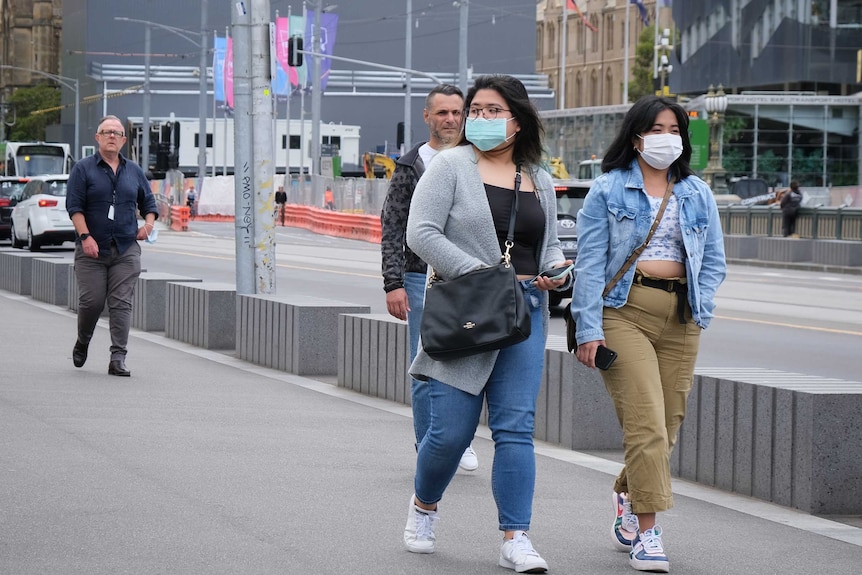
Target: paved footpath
{"x": 203, "y": 464}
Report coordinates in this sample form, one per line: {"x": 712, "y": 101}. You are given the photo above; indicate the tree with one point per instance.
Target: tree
{"x": 31, "y": 120}
{"x": 641, "y": 83}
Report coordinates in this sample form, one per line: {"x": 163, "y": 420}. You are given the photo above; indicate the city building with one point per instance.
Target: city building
{"x": 29, "y": 40}
{"x": 778, "y": 81}
{"x": 104, "y": 45}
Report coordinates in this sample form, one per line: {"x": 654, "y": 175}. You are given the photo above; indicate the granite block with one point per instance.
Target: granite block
{"x": 50, "y": 280}
{"x": 743, "y": 439}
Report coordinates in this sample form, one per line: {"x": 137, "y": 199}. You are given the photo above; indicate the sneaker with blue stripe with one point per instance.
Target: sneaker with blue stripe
{"x": 647, "y": 552}
{"x": 625, "y": 528}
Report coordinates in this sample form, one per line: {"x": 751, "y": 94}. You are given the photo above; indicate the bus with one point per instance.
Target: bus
{"x": 26, "y": 159}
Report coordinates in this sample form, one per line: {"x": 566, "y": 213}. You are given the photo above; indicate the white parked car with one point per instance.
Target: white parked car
{"x": 39, "y": 216}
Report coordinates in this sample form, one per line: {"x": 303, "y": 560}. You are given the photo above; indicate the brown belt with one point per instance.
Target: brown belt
{"x": 671, "y": 286}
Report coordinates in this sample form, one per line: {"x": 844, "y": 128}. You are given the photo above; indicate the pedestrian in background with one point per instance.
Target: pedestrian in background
{"x": 404, "y": 274}
{"x": 191, "y": 201}
{"x": 653, "y": 316}
{"x": 458, "y": 223}
{"x": 104, "y": 195}
{"x": 329, "y": 199}
{"x": 791, "y": 200}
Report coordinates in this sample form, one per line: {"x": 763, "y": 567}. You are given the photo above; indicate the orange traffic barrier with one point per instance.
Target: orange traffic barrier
{"x": 338, "y": 224}
{"x": 180, "y": 218}
{"x": 361, "y": 227}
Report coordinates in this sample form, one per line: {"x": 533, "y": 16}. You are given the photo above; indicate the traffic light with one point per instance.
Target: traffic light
{"x": 294, "y": 51}
{"x": 399, "y": 134}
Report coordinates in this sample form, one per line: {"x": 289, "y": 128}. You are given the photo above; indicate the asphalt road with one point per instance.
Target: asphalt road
{"x": 797, "y": 321}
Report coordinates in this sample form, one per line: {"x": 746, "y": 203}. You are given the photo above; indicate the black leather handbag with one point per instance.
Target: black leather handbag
{"x": 479, "y": 311}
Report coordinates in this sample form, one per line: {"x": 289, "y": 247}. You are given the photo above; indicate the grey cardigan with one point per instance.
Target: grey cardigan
{"x": 451, "y": 228}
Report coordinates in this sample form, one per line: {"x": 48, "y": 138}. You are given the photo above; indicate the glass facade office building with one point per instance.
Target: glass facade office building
{"x": 790, "y": 70}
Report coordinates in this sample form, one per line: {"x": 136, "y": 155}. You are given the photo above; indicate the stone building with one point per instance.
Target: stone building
{"x": 30, "y": 33}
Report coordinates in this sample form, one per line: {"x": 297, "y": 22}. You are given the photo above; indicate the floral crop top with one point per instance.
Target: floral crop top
{"x": 666, "y": 243}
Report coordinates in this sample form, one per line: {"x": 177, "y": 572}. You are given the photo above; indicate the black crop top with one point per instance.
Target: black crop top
{"x": 529, "y": 226}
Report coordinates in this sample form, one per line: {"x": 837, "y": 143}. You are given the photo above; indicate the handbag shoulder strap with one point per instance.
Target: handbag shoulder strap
{"x": 510, "y": 234}
{"x": 636, "y": 254}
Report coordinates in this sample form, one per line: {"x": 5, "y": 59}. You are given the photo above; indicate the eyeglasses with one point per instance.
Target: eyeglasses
{"x": 488, "y": 112}
{"x": 112, "y": 133}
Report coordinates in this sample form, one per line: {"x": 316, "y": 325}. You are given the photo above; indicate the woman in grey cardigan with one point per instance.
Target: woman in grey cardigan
{"x": 458, "y": 223}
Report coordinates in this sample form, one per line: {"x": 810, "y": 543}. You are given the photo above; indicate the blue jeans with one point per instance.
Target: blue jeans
{"x": 414, "y": 285}
{"x": 511, "y": 393}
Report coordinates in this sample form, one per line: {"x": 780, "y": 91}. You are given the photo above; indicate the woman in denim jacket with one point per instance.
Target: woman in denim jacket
{"x": 653, "y": 316}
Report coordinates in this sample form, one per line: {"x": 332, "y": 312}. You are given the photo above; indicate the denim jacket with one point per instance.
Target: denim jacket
{"x": 615, "y": 220}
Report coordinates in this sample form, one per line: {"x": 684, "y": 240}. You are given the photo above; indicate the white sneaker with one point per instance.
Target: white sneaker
{"x": 625, "y": 528}
{"x": 517, "y": 553}
{"x": 469, "y": 461}
{"x": 647, "y": 552}
{"x": 419, "y": 531}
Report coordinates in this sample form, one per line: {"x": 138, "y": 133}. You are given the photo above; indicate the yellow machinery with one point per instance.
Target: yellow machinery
{"x": 558, "y": 169}
{"x": 378, "y": 165}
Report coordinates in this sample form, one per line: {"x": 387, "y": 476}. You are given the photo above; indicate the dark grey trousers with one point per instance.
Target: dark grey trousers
{"x": 108, "y": 279}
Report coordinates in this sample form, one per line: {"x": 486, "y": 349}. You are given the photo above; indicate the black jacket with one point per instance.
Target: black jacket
{"x": 397, "y": 257}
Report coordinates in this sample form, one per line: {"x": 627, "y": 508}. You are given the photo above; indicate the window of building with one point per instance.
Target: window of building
{"x": 609, "y": 32}
{"x": 539, "y": 40}
{"x": 552, "y": 41}
{"x": 209, "y": 140}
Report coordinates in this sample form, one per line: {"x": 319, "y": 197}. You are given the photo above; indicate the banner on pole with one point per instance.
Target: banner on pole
{"x": 219, "y": 52}
{"x": 326, "y": 42}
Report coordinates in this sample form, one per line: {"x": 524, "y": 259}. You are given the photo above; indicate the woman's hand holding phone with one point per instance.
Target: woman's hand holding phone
{"x": 554, "y": 277}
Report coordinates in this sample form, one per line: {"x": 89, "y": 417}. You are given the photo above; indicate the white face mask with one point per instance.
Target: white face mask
{"x": 661, "y": 150}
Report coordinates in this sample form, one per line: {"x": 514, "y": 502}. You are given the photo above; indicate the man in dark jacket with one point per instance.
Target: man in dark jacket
{"x": 790, "y": 202}
{"x": 103, "y": 197}
{"x": 403, "y": 272}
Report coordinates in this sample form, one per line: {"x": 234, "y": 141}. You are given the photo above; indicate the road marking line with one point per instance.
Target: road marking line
{"x": 792, "y": 325}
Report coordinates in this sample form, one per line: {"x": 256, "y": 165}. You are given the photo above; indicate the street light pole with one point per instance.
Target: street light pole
{"x": 202, "y": 83}
{"x": 716, "y": 105}
{"x": 462, "y": 47}
{"x": 315, "y": 93}
{"x": 664, "y": 66}
{"x": 144, "y": 160}
{"x": 202, "y": 102}
{"x": 62, "y": 81}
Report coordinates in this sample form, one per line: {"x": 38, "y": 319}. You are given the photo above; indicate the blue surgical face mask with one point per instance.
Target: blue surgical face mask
{"x": 487, "y": 134}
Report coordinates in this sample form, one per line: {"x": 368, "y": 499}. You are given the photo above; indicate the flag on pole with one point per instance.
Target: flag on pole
{"x": 219, "y": 53}
{"x": 642, "y": 9}
{"x": 228, "y": 74}
{"x": 326, "y": 42}
{"x": 572, "y": 5}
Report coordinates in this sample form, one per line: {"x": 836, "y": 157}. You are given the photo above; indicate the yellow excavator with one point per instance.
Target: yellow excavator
{"x": 378, "y": 165}
{"x": 558, "y": 169}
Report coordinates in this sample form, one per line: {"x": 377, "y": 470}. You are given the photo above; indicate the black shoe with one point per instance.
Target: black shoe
{"x": 118, "y": 367}
{"x": 79, "y": 354}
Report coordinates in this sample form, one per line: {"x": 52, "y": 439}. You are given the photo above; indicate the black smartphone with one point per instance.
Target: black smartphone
{"x": 605, "y": 357}
{"x": 557, "y": 273}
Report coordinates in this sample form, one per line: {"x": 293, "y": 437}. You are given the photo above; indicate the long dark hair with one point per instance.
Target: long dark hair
{"x": 528, "y": 142}
{"x": 639, "y": 119}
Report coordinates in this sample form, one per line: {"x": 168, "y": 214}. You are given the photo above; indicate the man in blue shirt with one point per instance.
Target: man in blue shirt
{"x": 104, "y": 194}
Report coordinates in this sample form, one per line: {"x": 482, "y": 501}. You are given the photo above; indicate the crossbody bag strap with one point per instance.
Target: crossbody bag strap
{"x": 636, "y": 254}
{"x": 510, "y": 234}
